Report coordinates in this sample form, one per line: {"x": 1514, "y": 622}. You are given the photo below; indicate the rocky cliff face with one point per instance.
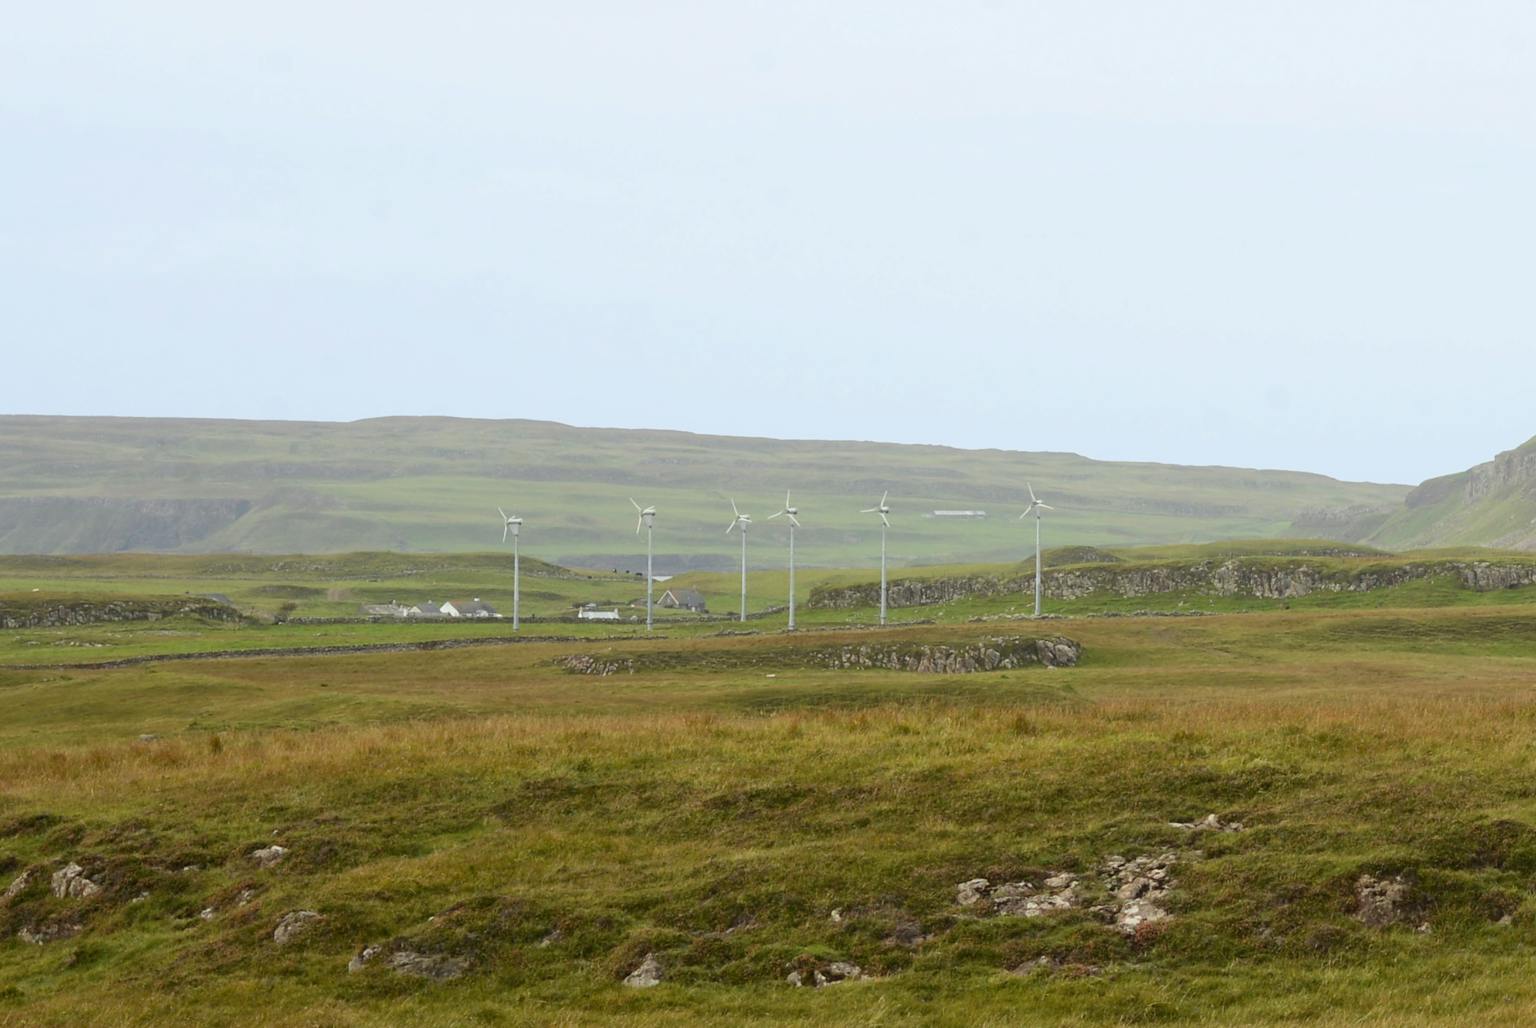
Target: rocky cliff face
{"x": 71, "y": 524}
{"x": 1492, "y": 504}
{"x": 1267, "y": 579}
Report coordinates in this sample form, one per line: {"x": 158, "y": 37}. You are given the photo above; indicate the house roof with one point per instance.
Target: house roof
{"x": 687, "y": 597}
{"x": 474, "y": 607}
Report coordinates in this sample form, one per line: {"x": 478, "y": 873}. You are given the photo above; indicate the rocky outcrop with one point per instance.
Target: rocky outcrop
{"x": 1381, "y": 902}
{"x": 818, "y": 974}
{"x": 437, "y": 967}
{"x": 269, "y": 856}
{"x": 647, "y": 975}
{"x": 61, "y": 613}
{"x": 587, "y": 664}
{"x": 70, "y": 882}
{"x": 295, "y": 924}
{"x": 1260, "y": 578}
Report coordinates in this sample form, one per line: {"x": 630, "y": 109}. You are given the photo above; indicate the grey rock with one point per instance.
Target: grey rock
{"x": 647, "y": 975}
{"x": 149, "y": 737}
{"x": 971, "y": 892}
{"x": 1380, "y": 902}
{"x": 294, "y": 924}
{"x": 1209, "y": 823}
{"x": 439, "y": 967}
{"x": 70, "y": 882}
{"x": 363, "y": 958}
{"x": 269, "y": 856}
{"x": 19, "y": 883}
{"x": 207, "y": 913}
{"x": 840, "y": 971}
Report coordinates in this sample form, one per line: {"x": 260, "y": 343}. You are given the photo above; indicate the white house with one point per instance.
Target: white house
{"x": 592, "y": 614}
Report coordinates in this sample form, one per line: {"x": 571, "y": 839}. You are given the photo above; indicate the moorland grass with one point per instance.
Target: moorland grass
{"x": 718, "y": 819}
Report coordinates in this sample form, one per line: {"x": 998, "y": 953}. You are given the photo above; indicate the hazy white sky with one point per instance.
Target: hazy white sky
{"x": 1287, "y": 235}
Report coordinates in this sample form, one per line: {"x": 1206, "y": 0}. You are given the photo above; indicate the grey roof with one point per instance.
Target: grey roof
{"x": 475, "y": 607}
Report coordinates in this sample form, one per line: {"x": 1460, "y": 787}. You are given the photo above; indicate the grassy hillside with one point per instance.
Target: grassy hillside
{"x": 84, "y": 485}
{"x": 1493, "y": 504}
{"x": 530, "y": 836}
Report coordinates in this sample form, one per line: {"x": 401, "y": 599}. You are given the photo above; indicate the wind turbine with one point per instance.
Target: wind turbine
{"x": 647, "y": 519}
{"x": 1035, "y": 507}
{"x": 885, "y": 523}
{"x": 512, "y": 526}
{"x": 794, "y": 523}
{"x": 743, "y": 522}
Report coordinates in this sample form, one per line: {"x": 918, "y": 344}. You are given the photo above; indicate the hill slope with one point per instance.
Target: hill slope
{"x": 81, "y": 485}
{"x": 1492, "y": 504}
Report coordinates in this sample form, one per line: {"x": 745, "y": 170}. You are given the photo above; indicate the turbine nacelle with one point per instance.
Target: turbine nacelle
{"x": 511, "y": 523}
{"x": 742, "y": 521}
{"x": 1035, "y": 504}
{"x": 790, "y": 511}
{"x": 882, "y": 509}
{"x": 645, "y": 516}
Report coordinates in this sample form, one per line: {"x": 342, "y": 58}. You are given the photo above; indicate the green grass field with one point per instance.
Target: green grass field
{"x": 541, "y": 832}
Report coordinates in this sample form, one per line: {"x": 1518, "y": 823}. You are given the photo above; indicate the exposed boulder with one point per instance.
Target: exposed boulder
{"x": 70, "y": 882}
{"x": 818, "y": 974}
{"x": 587, "y": 664}
{"x": 1381, "y": 902}
{"x": 269, "y": 856}
{"x": 1209, "y": 823}
{"x": 647, "y": 975}
{"x": 17, "y": 886}
{"x": 437, "y": 967}
{"x": 294, "y": 924}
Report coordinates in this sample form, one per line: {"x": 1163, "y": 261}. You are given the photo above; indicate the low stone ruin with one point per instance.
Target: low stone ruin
{"x": 1019, "y": 899}
{"x": 587, "y": 664}
{"x": 1138, "y": 888}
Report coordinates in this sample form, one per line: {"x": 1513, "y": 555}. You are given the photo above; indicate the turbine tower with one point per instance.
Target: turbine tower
{"x": 743, "y": 522}
{"x": 885, "y": 523}
{"x": 646, "y": 519}
{"x": 794, "y": 523}
{"x": 512, "y": 526}
{"x": 1035, "y": 507}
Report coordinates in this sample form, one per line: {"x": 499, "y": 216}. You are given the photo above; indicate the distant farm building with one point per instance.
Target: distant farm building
{"x": 477, "y": 608}
{"x": 591, "y": 613}
{"x": 390, "y": 610}
{"x": 958, "y": 514}
{"x": 684, "y": 599}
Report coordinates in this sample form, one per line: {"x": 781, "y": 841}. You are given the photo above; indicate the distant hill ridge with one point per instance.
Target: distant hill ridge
{"x": 72, "y": 485}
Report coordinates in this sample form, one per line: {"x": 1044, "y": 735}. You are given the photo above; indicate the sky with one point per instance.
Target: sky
{"x": 1196, "y": 231}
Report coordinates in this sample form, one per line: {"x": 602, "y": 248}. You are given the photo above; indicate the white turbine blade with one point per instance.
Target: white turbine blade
{"x": 885, "y": 519}
{"x": 786, "y": 499}
{"x": 502, "y": 513}
{"x": 639, "y": 523}
{"x": 885, "y": 496}
{"x": 870, "y": 510}
{"x": 734, "y": 510}
{"x": 729, "y": 527}
{"x": 505, "y": 528}
{"x": 780, "y": 514}
{"x": 1045, "y": 506}
{"x": 794, "y": 521}
{"x": 1031, "y": 493}
{"x": 1025, "y": 514}
{"x": 636, "y": 505}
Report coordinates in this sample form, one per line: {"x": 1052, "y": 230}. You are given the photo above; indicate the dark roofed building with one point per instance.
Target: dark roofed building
{"x": 684, "y": 599}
